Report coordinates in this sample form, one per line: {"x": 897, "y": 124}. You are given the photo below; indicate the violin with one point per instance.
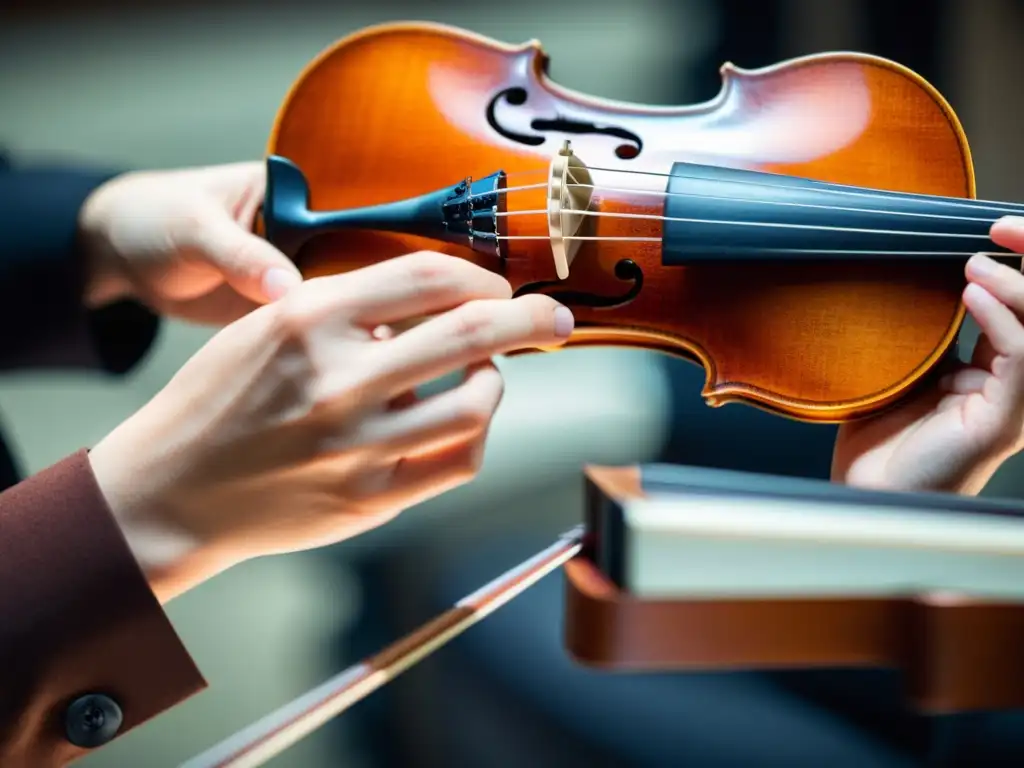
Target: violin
{"x": 802, "y": 236}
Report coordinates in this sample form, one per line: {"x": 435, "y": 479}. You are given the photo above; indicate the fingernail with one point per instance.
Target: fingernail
{"x": 564, "y": 322}
{"x": 975, "y": 293}
{"x": 277, "y": 282}
{"x": 980, "y": 265}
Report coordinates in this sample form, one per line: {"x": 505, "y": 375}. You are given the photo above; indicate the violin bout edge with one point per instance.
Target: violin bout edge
{"x": 717, "y": 393}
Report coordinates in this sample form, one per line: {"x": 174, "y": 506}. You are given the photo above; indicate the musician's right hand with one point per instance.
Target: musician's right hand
{"x": 955, "y": 435}
{"x": 297, "y": 425}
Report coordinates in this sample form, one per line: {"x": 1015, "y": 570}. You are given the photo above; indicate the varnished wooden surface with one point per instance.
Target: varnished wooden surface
{"x": 399, "y": 110}
{"x": 956, "y": 656}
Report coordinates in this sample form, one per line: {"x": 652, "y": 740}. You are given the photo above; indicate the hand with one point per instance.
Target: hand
{"x": 955, "y": 435}
{"x": 297, "y": 426}
{"x": 181, "y": 242}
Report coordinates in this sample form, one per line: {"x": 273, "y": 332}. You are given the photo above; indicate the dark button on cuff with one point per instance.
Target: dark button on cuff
{"x": 92, "y": 720}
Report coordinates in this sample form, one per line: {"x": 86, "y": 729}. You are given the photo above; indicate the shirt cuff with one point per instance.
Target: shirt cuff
{"x": 86, "y": 649}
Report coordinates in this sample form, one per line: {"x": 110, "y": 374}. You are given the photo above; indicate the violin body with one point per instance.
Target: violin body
{"x": 398, "y": 110}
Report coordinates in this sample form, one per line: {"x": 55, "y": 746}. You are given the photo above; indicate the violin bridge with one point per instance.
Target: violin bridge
{"x": 570, "y": 190}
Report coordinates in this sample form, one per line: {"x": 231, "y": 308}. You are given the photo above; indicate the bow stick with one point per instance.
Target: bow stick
{"x": 268, "y": 737}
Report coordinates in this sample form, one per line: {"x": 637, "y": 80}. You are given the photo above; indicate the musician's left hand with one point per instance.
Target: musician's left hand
{"x": 955, "y": 435}
{"x": 181, "y": 241}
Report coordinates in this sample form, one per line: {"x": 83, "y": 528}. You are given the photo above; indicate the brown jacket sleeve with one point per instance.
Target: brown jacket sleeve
{"x": 86, "y": 651}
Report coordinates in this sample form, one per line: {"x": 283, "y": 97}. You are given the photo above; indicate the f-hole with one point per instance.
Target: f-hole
{"x": 628, "y": 150}
{"x": 626, "y": 270}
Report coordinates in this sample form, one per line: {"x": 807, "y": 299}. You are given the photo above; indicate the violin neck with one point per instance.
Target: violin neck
{"x": 714, "y": 214}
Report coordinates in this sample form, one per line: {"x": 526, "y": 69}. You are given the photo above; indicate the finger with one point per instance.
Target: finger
{"x": 397, "y": 290}
{"x": 249, "y": 264}
{"x": 997, "y": 322}
{"x": 432, "y": 424}
{"x": 948, "y": 402}
{"x": 1003, "y": 282}
{"x": 480, "y": 406}
{"x": 470, "y": 334}
{"x": 418, "y": 479}
{"x": 1009, "y": 233}
{"x": 964, "y": 382}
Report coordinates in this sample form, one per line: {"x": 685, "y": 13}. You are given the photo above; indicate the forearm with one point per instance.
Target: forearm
{"x": 936, "y": 472}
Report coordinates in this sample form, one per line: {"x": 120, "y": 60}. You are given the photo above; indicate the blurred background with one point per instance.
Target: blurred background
{"x": 161, "y": 84}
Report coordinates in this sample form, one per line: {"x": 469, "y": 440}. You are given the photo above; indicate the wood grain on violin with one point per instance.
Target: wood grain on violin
{"x": 957, "y": 653}
{"x": 704, "y": 233}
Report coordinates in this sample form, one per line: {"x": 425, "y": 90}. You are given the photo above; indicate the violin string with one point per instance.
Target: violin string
{"x": 970, "y": 203}
{"x": 724, "y": 198}
{"x": 602, "y": 189}
{"x": 823, "y": 251}
{"x": 506, "y": 190}
{"x": 573, "y": 182}
{"x": 767, "y": 251}
{"x": 734, "y": 223}
{"x": 980, "y": 206}
{"x": 582, "y": 237}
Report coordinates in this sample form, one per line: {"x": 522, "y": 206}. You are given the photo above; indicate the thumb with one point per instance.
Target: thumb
{"x": 249, "y": 264}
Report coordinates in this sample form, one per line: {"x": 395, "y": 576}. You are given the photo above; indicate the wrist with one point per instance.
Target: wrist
{"x": 106, "y": 278}
{"x": 982, "y": 472}
{"x": 133, "y": 482}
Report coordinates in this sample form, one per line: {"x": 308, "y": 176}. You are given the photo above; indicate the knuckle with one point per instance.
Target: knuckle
{"x": 425, "y": 267}
{"x": 433, "y": 273}
{"x": 478, "y": 408}
{"x": 1010, "y": 283}
{"x": 474, "y": 326}
{"x": 294, "y": 315}
{"x": 245, "y": 256}
{"x": 428, "y": 260}
{"x": 1003, "y": 367}
{"x": 430, "y": 271}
